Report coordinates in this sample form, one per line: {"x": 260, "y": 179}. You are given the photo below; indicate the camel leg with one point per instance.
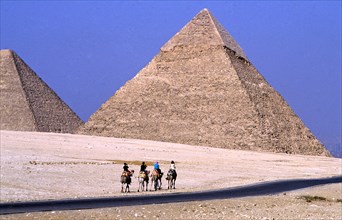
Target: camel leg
{"x": 141, "y": 185}
{"x": 155, "y": 184}
{"x": 152, "y": 185}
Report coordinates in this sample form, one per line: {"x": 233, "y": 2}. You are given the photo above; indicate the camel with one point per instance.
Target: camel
{"x": 156, "y": 180}
{"x": 171, "y": 178}
{"x": 126, "y": 179}
{"x": 142, "y": 178}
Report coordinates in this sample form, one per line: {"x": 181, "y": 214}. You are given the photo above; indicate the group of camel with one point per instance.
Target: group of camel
{"x": 144, "y": 178}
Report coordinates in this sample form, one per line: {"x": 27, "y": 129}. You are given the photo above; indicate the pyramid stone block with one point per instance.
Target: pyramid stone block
{"x": 26, "y": 101}
{"x": 201, "y": 89}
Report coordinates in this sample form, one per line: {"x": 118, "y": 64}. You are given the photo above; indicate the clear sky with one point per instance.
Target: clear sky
{"x": 86, "y": 50}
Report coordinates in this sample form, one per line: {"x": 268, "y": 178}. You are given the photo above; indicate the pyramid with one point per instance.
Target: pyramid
{"x": 201, "y": 89}
{"x": 27, "y": 103}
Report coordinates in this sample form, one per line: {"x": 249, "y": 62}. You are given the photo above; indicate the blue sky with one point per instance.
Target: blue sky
{"x": 86, "y": 50}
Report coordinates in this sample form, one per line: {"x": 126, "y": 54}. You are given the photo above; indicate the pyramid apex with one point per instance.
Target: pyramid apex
{"x": 6, "y": 52}
{"x": 204, "y": 29}
{"x": 204, "y": 10}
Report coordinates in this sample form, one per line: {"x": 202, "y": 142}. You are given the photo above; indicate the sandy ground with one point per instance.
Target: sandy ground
{"x": 41, "y": 166}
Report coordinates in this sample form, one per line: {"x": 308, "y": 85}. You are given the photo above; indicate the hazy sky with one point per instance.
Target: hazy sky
{"x": 86, "y": 50}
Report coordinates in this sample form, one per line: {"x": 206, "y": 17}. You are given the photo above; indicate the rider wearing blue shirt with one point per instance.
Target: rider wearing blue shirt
{"x": 156, "y": 167}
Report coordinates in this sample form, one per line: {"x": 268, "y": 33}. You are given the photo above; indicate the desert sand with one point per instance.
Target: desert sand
{"x": 43, "y": 166}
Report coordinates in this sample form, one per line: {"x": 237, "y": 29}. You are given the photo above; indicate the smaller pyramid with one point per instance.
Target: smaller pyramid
{"x": 27, "y": 103}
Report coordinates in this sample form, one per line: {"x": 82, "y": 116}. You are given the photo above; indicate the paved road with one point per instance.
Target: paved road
{"x": 260, "y": 189}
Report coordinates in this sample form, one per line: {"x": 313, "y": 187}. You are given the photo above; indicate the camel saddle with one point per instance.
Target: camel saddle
{"x": 126, "y": 173}
{"x": 156, "y": 173}
{"x": 142, "y": 174}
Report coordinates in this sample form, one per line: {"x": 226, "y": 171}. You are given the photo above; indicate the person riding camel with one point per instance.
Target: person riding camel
{"x": 127, "y": 173}
{"x": 156, "y": 167}
{"x": 143, "y": 169}
{"x": 173, "y": 165}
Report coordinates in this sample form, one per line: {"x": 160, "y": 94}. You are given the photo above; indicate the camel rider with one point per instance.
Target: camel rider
{"x": 173, "y": 165}
{"x": 125, "y": 168}
{"x": 143, "y": 167}
{"x": 156, "y": 167}
{"x": 143, "y": 170}
{"x": 127, "y": 173}
{"x": 173, "y": 168}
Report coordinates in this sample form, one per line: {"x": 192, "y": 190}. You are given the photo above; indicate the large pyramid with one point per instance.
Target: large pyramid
{"x": 202, "y": 90}
{"x": 27, "y": 103}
